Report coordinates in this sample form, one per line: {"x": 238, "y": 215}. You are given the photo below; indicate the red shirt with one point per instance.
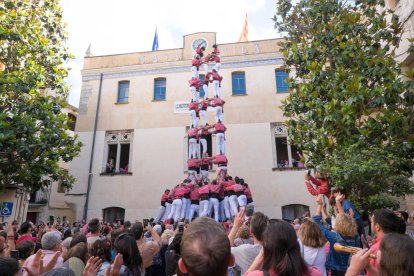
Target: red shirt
{"x": 193, "y": 106}
{"x": 26, "y": 237}
{"x": 194, "y": 82}
{"x": 204, "y": 190}
{"x": 216, "y": 76}
{"x": 215, "y": 188}
{"x": 216, "y": 51}
{"x": 204, "y": 105}
{"x": 196, "y": 63}
{"x": 179, "y": 192}
{"x": 323, "y": 187}
{"x": 217, "y": 102}
{"x": 238, "y": 188}
{"x": 164, "y": 198}
{"x": 194, "y": 195}
{"x": 216, "y": 59}
{"x": 220, "y": 159}
{"x": 248, "y": 193}
{"x": 219, "y": 127}
{"x": 193, "y": 132}
{"x": 374, "y": 248}
{"x": 193, "y": 162}
{"x": 207, "y": 78}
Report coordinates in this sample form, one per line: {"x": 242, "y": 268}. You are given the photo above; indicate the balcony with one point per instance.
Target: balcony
{"x": 38, "y": 198}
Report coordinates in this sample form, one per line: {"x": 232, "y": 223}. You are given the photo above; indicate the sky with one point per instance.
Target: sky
{"x": 125, "y": 26}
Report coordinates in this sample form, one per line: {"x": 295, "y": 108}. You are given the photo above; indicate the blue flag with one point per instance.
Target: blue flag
{"x": 155, "y": 42}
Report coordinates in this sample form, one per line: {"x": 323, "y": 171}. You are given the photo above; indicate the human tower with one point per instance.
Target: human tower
{"x": 223, "y": 196}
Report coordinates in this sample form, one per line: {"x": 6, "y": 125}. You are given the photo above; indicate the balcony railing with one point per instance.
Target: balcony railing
{"x": 39, "y": 197}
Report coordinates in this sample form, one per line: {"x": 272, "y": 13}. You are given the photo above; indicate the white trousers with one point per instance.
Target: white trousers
{"x": 184, "y": 207}
{"x": 216, "y": 88}
{"x": 233, "y": 205}
{"x": 242, "y": 200}
{"x": 195, "y": 95}
{"x": 192, "y": 174}
{"x": 204, "y": 174}
{"x": 203, "y": 143}
{"x": 193, "y": 118}
{"x": 215, "y": 204}
{"x": 192, "y": 151}
{"x": 194, "y": 72}
{"x": 203, "y": 115}
{"x": 222, "y": 216}
{"x": 203, "y": 208}
{"x": 217, "y": 66}
{"x": 219, "y": 114}
{"x": 205, "y": 67}
{"x": 194, "y": 208}
{"x": 175, "y": 209}
{"x": 226, "y": 207}
{"x": 205, "y": 88}
{"x": 167, "y": 211}
{"x": 221, "y": 147}
{"x": 161, "y": 213}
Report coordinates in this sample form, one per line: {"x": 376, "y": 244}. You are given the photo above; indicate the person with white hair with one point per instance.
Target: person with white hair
{"x": 50, "y": 245}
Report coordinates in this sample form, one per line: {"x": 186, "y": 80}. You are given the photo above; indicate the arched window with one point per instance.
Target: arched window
{"x": 112, "y": 214}
{"x": 160, "y": 89}
{"x": 292, "y": 211}
{"x": 71, "y": 122}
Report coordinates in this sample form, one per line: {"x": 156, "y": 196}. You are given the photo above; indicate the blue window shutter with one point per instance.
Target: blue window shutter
{"x": 281, "y": 84}
{"x": 238, "y": 81}
{"x": 123, "y": 91}
{"x": 159, "y": 89}
{"x": 202, "y": 92}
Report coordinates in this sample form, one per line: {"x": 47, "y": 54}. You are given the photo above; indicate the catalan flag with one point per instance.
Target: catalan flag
{"x": 245, "y": 32}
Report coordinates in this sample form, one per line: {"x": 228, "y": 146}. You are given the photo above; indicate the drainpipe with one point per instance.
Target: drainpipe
{"x": 90, "y": 176}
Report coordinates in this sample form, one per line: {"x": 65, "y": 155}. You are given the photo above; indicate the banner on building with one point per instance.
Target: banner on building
{"x": 182, "y": 107}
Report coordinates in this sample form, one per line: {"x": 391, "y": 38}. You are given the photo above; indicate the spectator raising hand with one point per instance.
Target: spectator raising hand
{"x": 36, "y": 267}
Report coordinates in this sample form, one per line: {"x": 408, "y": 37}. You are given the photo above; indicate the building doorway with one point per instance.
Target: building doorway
{"x": 113, "y": 214}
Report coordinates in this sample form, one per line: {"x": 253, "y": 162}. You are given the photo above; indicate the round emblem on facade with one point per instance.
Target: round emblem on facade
{"x": 199, "y": 41}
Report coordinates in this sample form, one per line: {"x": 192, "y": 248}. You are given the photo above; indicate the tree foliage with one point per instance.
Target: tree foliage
{"x": 350, "y": 110}
{"x": 33, "y": 129}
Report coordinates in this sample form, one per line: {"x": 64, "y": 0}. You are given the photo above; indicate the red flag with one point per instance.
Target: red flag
{"x": 245, "y": 32}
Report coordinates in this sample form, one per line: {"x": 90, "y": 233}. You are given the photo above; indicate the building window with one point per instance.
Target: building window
{"x": 123, "y": 91}
{"x": 238, "y": 81}
{"x": 160, "y": 89}
{"x": 61, "y": 187}
{"x": 200, "y": 146}
{"x": 202, "y": 92}
{"x": 118, "y": 152}
{"x": 281, "y": 84}
{"x": 113, "y": 214}
{"x": 285, "y": 154}
{"x": 292, "y": 211}
{"x": 71, "y": 121}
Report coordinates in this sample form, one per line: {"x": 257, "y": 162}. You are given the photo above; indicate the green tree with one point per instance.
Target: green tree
{"x": 33, "y": 129}
{"x": 349, "y": 109}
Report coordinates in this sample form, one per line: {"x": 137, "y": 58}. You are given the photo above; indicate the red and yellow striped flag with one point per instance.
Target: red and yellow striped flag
{"x": 245, "y": 32}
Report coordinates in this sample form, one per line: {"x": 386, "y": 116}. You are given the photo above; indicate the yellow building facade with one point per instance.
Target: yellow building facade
{"x": 133, "y": 110}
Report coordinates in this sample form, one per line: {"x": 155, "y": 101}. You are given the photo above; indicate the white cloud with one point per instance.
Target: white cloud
{"x": 128, "y": 25}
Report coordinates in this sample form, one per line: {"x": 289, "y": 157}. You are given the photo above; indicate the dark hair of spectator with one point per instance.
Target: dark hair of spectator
{"x": 258, "y": 225}
{"x": 25, "y": 248}
{"x": 80, "y": 251}
{"x": 389, "y": 221}
{"x": 127, "y": 246}
{"x": 101, "y": 248}
{"x": 137, "y": 230}
{"x": 396, "y": 255}
{"x": 8, "y": 266}
{"x": 281, "y": 250}
{"x": 404, "y": 215}
{"x": 25, "y": 227}
{"x": 93, "y": 226}
{"x": 77, "y": 239}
